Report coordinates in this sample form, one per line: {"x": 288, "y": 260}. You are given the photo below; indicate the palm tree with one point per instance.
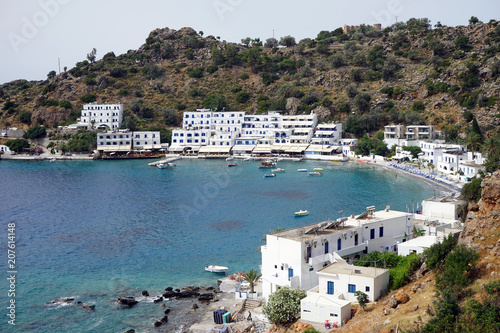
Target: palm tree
{"x": 491, "y": 146}
{"x": 251, "y": 277}
{"x": 472, "y": 141}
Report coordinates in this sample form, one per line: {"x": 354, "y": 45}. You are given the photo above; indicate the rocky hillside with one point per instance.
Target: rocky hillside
{"x": 409, "y": 73}
{"x": 482, "y": 228}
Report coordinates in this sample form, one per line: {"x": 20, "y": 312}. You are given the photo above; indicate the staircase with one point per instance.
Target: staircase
{"x": 250, "y": 305}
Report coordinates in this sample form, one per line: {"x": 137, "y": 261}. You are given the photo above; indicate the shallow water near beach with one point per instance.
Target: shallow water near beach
{"x": 98, "y": 230}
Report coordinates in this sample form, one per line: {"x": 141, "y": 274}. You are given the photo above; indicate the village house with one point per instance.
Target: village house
{"x": 292, "y": 257}
{"x": 101, "y": 116}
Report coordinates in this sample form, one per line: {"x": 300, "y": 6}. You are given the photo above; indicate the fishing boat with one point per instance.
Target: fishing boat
{"x": 162, "y": 166}
{"x": 171, "y": 164}
{"x": 266, "y": 164}
{"x": 302, "y": 170}
{"x": 301, "y": 212}
{"x": 315, "y": 173}
{"x": 216, "y": 269}
{"x": 318, "y": 169}
{"x": 232, "y": 164}
{"x": 278, "y": 170}
{"x": 270, "y": 175}
{"x": 230, "y": 158}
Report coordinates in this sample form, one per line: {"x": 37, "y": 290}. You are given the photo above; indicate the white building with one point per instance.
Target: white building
{"x": 348, "y": 146}
{"x": 101, "y": 116}
{"x": 4, "y": 149}
{"x": 418, "y": 245}
{"x": 393, "y": 134}
{"x": 292, "y": 257}
{"x": 327, "y": 134}
{"x": 146, "y": 140}
{"x": 189, "y": 140}
{"x": 419, "y": 132}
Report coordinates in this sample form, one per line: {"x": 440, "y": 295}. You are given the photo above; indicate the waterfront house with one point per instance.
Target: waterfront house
{"x": 101, "y": 116}
{"x": 393, "y": 134}
{"x": 338, "y": 282}
{"x": 121, "y": 143}
{"x": 292, "y": 257}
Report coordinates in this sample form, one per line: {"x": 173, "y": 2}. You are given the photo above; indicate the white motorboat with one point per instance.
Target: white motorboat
{"x": 302, "y": 170}
{"x": 278, "y": 170}
{"x": 216, "y": 269}
{"x": 302, "y": 212}
{"x": 162, "y": 166}
{"x": 229, "y": 158}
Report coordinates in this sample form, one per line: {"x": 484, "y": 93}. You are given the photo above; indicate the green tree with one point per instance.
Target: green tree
{"x": 362, "y": 102}
{"x": 35, "y": 132}
{"x": 283, "y": 306}
{"x": 51, "y": 74}
{"x": 287, "y": 41}
{"x": 252, "y": 276}
{"x": 130, "y": 123}
{"x": 436, "y": 254}
{"x": 271, "y": 43}
{"x": 414, "y": 150}
{"x": 88, "y": 98}
{"x": 242, "y": 97}
{"x": 17, "y": 145}
{"x": 472, "y": 141}
{"x": 92, "y": 55}
{"x": 362, "y": 298}
{"x": 170, "y": 116}
{"x": 215, "y": 102}
{"x": 473, "y": 20}
{"x": 25, "y": 117}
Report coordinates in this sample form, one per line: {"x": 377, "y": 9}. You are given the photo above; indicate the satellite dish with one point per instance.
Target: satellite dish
{"x": 301, "y": 232}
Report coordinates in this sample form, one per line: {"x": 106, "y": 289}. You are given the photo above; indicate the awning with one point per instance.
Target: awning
{"x": 321, "y": 148}
{"x": 115, "y": 148}
{"x": 280, "y": 147}
{"x": 262, "y": 149}
{"x": 214, "y": 149}
{"x": 243, "y": 147}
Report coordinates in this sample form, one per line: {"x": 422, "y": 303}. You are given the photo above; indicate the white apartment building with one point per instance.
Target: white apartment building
{"x": 327, "y": 134}
{"x": 193, "y": 140}
{"x": 451, "y": 160}
{"x": 420, "y": 132}
{"x": 292, "y": 257}
{"x": 125, "y": 140}
{"x": 261, "y": 126}
{"x": 393, "y": 134}
{"x": 102, "y": 116}
{"x": 146, "y": 140}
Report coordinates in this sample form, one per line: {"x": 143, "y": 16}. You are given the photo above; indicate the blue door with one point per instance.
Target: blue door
{"x": 329, "y": 288}
{"x": 326, "y": 247}
{"x": 290, "y": 273}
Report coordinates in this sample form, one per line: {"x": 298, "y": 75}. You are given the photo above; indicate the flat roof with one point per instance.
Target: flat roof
{"x": 341, "y": 267}
{"x": 423, "y": 241}
{"x": 329, "y": 227}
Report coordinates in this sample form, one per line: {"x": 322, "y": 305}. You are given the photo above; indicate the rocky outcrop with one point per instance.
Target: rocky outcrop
{"x": 127, "y": 301}
{"x": 402, "y": 297}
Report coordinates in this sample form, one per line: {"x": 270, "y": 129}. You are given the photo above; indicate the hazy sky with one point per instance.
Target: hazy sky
{"x": 35, "y": 33}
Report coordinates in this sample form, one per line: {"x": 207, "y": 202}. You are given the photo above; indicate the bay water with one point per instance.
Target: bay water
{"x": 98, "y": 230}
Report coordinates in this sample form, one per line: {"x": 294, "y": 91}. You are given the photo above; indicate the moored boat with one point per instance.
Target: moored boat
{"x": 232, "y": 164}
{"x": 301, "y": 212}
{"x": 270, "y": 175}
{"x": 216, "y": 269}
{"x": 315, "y": 173}
{"x": 266, "y": 164}
{"x": 278, "y": 170}
{"x": 302, "y": 170}
{"x": 318, "y": 169}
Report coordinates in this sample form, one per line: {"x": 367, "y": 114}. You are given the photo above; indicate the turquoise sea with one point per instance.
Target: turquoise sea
{"x": 97, "y": 230}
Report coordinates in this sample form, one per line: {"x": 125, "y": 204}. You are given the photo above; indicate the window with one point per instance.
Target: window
{"x": 372, "y": 233}
{"x": 367, "y": 289}
{"x": 351, "y": 288}
{"x": 329, "y": 288}
{"x": 381, "y": 232}
{"x": 290, "y": 273}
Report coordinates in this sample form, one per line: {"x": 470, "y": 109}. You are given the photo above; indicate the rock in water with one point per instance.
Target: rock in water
{"x": 128, "y": 301}
{"x": 145, "y": 293}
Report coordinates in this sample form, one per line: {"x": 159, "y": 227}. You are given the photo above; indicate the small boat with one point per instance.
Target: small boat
{"x": 278, "y": 170}
{"x": 316, "y": 173}
{"x": 302, "y": 170}
{"x": 270, "y": 175}
{"x": 301, "y": 212}
{"x": 162, "y": 166}
{"x": 229, "y": 158}
{"x": 171, "y": 164}
{"x": 318, "y": 169}
{"x": 216, "y": 269}
{"x": 232, "y": 164}
{"x": 266, "y": 165}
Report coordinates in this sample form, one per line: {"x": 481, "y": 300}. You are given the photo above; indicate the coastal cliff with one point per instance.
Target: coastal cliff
{"x": 482, "y": 228}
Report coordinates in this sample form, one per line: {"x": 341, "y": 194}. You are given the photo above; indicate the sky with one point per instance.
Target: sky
{"x": 38, "y": 35}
